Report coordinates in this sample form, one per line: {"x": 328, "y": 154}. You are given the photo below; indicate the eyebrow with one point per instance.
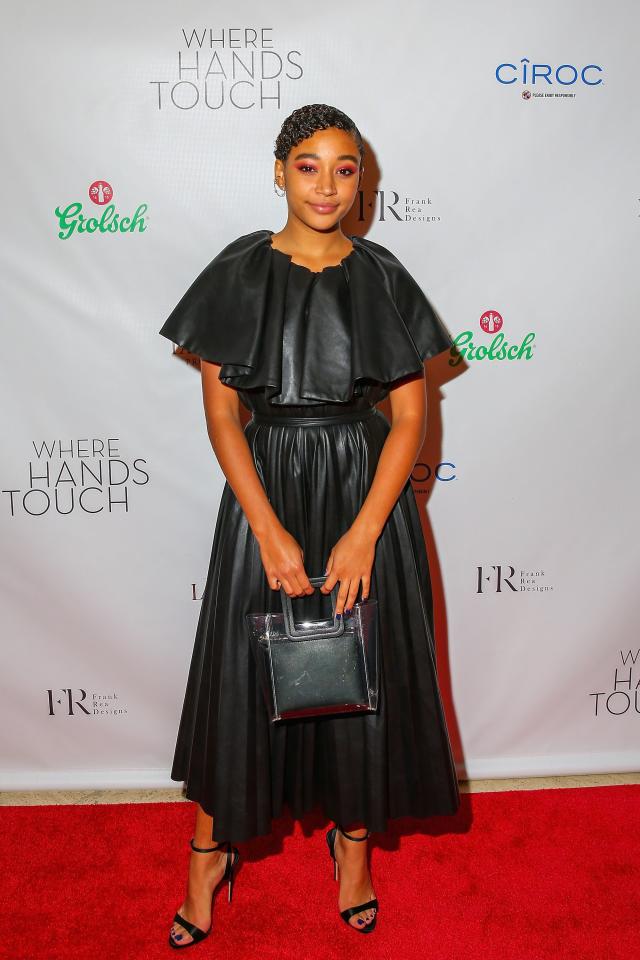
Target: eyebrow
{"x": 316, "y": 156}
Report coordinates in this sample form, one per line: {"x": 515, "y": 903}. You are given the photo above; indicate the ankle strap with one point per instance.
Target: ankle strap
{"x": 218, "y": 846}
{"x": 355, "y": 839}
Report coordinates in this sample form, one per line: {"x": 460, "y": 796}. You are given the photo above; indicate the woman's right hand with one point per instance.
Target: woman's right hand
{"x": 282, "y": 559}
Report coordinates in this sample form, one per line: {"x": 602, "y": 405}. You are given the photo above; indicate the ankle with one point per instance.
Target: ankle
{"x": 351, "y": 853}
{"x": 203, "y": 865}
{"x": 355, "y": 834}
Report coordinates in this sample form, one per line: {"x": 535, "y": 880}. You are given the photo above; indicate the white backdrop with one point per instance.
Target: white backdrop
{"x": 501, "y": 195}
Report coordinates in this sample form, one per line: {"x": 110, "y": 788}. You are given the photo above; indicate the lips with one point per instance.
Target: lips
{"x": 324, "y": 207}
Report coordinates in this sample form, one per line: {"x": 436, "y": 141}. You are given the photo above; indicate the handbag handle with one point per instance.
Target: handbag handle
{"x": 315, "y": 631}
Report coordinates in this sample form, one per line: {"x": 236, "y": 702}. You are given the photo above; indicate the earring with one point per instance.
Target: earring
{"x": 275, "y": 186}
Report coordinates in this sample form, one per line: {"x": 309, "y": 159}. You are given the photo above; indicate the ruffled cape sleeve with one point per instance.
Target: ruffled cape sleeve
{"x": 411, "y": 330}
{"x": 218, "y": 318}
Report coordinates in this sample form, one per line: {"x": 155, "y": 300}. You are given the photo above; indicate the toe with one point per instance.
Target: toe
{"x": 360, "y": 920}
{"x": 179, "y": 934}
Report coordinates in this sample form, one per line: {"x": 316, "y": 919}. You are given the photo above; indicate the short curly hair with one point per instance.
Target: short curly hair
{"x": 305, "y": 121}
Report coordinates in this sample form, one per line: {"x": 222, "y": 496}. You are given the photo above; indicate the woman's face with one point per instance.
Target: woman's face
{"x": 321, "y": 176}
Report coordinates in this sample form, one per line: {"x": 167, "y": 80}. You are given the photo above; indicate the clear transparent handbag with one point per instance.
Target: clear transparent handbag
{"x": 317, "y": 667}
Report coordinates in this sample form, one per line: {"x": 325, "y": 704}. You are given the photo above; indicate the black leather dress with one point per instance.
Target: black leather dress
{"x": 310, "y": 354}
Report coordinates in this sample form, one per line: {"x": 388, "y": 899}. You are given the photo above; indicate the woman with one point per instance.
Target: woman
{"x": 309, "y": 329}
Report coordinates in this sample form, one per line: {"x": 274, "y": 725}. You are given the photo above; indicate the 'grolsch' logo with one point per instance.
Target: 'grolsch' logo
{"x": 491, "y": 323}
{"x": 72, "y": 219}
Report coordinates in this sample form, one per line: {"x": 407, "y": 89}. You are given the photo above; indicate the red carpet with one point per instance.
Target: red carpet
{"x": 517, "y": 875}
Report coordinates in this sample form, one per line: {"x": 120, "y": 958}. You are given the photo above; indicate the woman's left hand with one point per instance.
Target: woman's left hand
{"x": 350, "y": 563}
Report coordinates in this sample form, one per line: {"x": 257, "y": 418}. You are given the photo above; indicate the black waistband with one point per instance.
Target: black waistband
{"x": 345, "y": 416}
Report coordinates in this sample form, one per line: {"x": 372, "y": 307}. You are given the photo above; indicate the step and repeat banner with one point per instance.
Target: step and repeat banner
{"x": 501, "y": 168}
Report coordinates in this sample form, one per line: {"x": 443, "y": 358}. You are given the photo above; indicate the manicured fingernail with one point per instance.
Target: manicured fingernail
{"x": 360, "y": 922}
{"x": 347, "y": 612}
{"x": 338, "y": 616}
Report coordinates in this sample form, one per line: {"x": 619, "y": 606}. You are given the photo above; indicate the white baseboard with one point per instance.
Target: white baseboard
{"x": 476, "y": 769}
{"x": 87, "y": 780}
{"x": 570, "y": 764}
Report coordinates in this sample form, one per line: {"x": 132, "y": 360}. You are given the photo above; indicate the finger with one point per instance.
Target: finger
{"x": 366, "y": 585}
{"x": 286, "y": 583}
{"x": 297, "y": 580}
{"x": 302, "y": 582}
{"x": 353, "y": 593}
{"x": 307, "y": 586}
{"x": 329, "y": 583}
{"x": 326, "y": 587}
{"x": 342, "y": 596}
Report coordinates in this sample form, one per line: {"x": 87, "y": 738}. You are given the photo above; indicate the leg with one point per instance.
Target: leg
{"x": 355, "y": 879}
{"x": 205, "y": 872}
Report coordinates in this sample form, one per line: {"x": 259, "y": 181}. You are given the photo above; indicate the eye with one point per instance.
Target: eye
{"x": 307, "y": 168}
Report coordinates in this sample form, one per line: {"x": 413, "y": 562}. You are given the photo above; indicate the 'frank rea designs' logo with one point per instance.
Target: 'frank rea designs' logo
{"x": 499, "y": 348}
{"x": 72, "y": 219}
{"x": 68, "y": 702}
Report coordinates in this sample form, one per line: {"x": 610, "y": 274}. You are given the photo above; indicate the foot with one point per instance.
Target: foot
{"x": 355, "y": 879}
{"x": 205, "y": 873}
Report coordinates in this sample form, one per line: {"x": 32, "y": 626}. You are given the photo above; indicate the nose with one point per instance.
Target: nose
{"x": 326, "y": 184}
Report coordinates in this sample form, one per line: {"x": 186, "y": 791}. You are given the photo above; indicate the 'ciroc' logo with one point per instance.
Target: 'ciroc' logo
{"x": 531, "y": 73}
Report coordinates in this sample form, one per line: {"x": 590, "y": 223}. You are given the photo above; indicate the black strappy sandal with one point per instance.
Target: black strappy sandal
{"x": 351, "y": 911}
{"x": 233, "y": 855}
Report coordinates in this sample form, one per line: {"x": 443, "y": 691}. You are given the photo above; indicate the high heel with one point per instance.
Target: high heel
{"x": 233, "y": 855}
{"x": 351, "y": 911}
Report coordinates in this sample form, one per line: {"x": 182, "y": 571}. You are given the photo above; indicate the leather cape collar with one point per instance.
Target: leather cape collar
{"x": 367, "y": 318}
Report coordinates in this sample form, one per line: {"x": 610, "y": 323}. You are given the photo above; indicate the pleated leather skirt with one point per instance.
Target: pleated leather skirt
{"x": 316, "y": 468}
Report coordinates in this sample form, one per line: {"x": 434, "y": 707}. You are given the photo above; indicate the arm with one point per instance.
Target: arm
{"x": 398, "y": 457}
{"x": 281, "y": 555}
{"x": 352, "y": 557}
